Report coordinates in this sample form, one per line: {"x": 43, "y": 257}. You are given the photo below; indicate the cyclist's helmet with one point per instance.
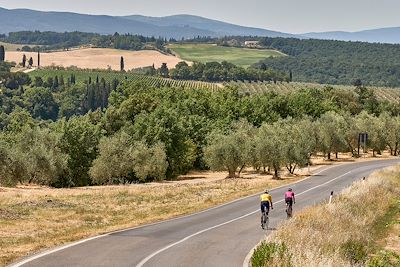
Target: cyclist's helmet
{"x": 290, "y": 189}
{"x": 266, "y": 191}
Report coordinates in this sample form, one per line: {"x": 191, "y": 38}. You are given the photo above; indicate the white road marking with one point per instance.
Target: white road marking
{"x": 140, "y": 264}
{"x": 45, "y": 253}
{"x": 54, "y": 250}
{"x": 18, "y": 264}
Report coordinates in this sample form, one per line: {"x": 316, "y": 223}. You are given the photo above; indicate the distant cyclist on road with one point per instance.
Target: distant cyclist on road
{"x": 266, "y": 202}
{"x": 289, "y": 198}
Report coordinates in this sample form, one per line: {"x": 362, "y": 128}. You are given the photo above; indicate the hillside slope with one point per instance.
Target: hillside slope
{"x": 174, "y": 26}
{"x": 383, "y": 35}
{"x": 218, "y": 27}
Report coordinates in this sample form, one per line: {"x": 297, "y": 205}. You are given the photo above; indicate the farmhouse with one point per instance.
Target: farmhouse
{"x": 251, "y": 43}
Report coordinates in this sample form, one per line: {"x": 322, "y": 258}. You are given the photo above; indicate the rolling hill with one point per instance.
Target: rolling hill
{"x": 173, "y": 26}
{"x": 382, "y": 35}
{"x": 219, "y": 28}
{"x": 177, "y": 26}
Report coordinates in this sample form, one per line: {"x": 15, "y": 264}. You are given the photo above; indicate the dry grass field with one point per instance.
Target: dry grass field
{"x": 32, "y": 219}
{"x": 37, "y": 218}
{"x": 98, "y": 58}
{"x": 348, "y": 232}
{"x": 11, "y": 47}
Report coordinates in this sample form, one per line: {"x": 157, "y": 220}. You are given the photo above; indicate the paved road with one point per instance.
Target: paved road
{"x": 217, "y": 237}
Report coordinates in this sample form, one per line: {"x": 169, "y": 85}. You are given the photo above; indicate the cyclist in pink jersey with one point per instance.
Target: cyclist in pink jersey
{"x": 289, "y": 197}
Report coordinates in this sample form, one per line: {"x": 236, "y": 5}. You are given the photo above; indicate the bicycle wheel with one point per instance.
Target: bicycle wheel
{"x": 266, "y": 224}
{"x": 289, "y": 211}
{"x": 263, "y": 220}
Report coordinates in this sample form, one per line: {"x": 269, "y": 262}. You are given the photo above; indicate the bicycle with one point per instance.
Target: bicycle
{"x": 264, "y": 220}
{"x": 289, "y": 210}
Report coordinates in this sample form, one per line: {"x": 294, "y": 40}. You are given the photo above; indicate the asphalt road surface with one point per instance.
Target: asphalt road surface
{"x": 221, "y": 236}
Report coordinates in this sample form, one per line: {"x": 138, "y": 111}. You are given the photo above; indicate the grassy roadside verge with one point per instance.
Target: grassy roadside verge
{"x": 348, "y": 232}
{"x": 36, "y": 219}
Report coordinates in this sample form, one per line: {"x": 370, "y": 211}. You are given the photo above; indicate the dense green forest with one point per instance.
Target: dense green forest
{"x": 336, "y": 62}
{"x": 325, "y": 61}
{"x": 223, "y": 72}
{"x": 79, "y": 133}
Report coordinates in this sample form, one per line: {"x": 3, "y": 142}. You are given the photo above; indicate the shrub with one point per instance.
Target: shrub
{"x": 354, "y": 251}
{"x": 271, "y": 254}
{"x": 384, "y": 259}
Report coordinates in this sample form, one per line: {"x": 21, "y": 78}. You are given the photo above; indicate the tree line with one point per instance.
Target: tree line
{"x": 289, "y": 143}
{"x": 48, "y": 40}
{"x": 51, "y": 98}
{"x": 148, "y": 133}
{"x": 325, "y": 61}
{"x": 219, "y": 72}
{"x": 336, "y": 62}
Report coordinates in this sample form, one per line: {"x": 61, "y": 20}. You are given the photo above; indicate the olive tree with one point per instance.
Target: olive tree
{"x": 149, "y": 162}
{"x": 230, "y": 151}
{"x": 375, "y": 128}
{"x": 299, "y": 140}
{"x": 114, "y": 162}
{"x": 121, "y": 159}
{"x": 391, "y": 127}
{"x": 31, "y": 156}
{"x": 331, "y": 134}
{"x": 270, "y": 147}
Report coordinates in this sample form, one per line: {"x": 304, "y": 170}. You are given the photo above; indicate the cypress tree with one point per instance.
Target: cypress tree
{"x": 2, "y": 53}
{"x": 30, "y": 62}
{"x": 49, "y": 83}
{"x": 106, "y": 95}
{"x": 91, "y": 98}
{"x": 24, "y": 61}
{"x": 61, "y": 81}
{"x": 55, "y": 83}
{"x": 38, "y": 59}
{"x": 122, "y": 64}
{"x": 115, "y": 84}
{"x": 73, "y": 79}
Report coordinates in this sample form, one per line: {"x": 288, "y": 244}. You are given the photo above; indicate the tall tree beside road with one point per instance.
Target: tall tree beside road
{"x": 2, "y": 53}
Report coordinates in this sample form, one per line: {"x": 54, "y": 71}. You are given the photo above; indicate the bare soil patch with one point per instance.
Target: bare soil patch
{"x": 98, "y": 58}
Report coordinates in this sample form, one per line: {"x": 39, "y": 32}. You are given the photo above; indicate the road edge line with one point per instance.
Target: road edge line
{"x": 53, "y": 250}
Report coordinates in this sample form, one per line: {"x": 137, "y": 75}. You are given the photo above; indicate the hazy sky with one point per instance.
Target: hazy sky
{"x": 293, "y": 16}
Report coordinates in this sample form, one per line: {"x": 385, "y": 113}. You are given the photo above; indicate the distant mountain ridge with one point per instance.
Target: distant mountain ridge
{"x": 219, "y": 28}
{"x": 177, "y": 26}
{"x": 383, "y": 35}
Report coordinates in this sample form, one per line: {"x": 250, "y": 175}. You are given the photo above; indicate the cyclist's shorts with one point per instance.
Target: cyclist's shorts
{"x": 289, "y": 201}
{"x": 264, "y": 206}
